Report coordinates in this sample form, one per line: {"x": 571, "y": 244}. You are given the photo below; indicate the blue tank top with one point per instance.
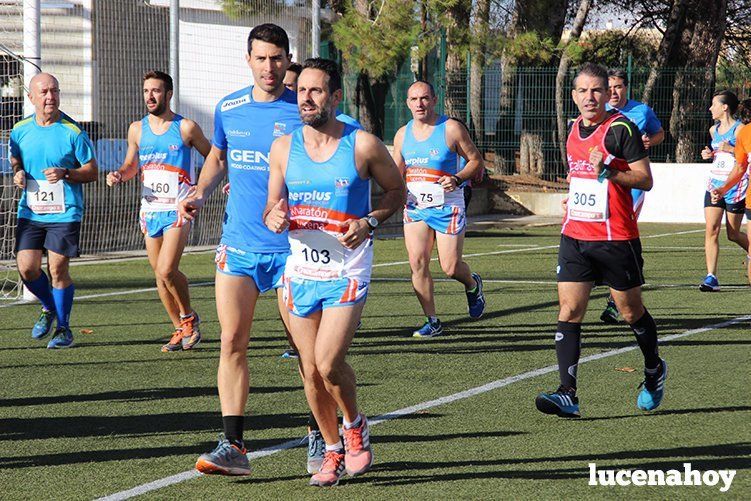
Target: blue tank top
{"x": 246, "y": 128}
{"x": 723, "y": 163}
{"x": 428, "y": 160}
{"x": 728, "y": 136}
{"x": 322, "y": 196}
{"x": 166, "y": 169}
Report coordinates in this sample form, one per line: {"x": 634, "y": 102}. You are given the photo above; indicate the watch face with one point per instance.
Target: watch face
{"x": 373, "y": 222}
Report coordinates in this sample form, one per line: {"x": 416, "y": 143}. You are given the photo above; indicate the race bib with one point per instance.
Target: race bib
{"x": 316, "y": 255}
{"x": 722, "y": 164}
{"x": 588, "y": 199}
{"x": 43, "y": 197}
{"x": 160, "y": 186}
{"x": 426, "y": 194}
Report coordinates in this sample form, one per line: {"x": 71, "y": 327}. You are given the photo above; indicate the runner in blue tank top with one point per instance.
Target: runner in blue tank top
{"x": 652, "y": 134}
{"x": 319, "y": 189}
{"x": 250, "y": 258}
{"x": 51, "y": 158}
{"x": 160, "y": 145}
{"x": 427, "y": 150}
{"x": 732, "y": 205}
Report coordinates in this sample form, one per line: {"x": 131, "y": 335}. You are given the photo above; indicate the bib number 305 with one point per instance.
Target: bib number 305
{"x": 588, "y": 200}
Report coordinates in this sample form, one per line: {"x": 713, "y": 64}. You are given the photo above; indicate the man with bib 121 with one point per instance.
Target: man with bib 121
{"x": 160, "y": 144}
{"x": 600, "y": 239}
{"x": 52, "y": 158}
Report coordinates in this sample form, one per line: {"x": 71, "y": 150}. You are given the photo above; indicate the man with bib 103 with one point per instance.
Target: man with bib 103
{"x": 429, "y": 150}
{"x": 160, "y": 144}
{"x": 600, "y": 239}
{"x": 319, "y": 187}
{"x": 52, "y": 157}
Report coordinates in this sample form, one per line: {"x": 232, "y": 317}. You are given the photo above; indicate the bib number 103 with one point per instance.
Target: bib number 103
{"x": 311, "y": 255}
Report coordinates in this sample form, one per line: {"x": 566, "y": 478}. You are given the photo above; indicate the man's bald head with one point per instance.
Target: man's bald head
{"x": 44, "y": 94}
{"x": 421, "y": 100}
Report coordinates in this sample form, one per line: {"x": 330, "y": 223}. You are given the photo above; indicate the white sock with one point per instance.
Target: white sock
{"x": 353, "y": 424}
{"x": 432, "y": 320}
{"x": 336, "y": 447}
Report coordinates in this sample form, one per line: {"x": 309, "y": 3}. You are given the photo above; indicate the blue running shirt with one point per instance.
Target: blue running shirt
{"x": 642, "y": 115}
{"x": 166, "y": 169}
{"x": 63, "y": 144}
{"x": 245, "y": 129}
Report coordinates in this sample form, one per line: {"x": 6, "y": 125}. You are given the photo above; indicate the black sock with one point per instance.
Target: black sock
{"x": 233, "y": 429}
{"x": 645, "y": 330}
{"x": 312, "y": 423}
{"x": 567, "y": 350}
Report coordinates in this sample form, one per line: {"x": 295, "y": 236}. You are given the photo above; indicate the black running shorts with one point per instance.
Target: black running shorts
{"x": 61, "y": 238}
{"x": 615, "y": 264}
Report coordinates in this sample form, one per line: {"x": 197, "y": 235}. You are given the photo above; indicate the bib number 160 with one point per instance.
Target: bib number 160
{"x": 585, "y": 199}
{"x": 316, "y": 256}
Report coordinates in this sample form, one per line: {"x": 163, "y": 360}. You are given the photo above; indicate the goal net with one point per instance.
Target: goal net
{"x": 99, "y": 50}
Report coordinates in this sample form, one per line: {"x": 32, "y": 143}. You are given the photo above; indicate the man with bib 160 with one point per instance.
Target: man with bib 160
{"x": 600, "y": 239}
{"x": 160, "y": 144}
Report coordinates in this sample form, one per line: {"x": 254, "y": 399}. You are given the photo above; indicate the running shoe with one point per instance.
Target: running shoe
{"x": 43, "y": 326}
{"x": 191, "y": 331}
{"x": 710, "y": 284}
{"x": 290, "y": 354}
{"x": 476, "y": 299}
{"x": 652, "y": 388}
{"x": 610, "y": 313}
{"x": 225, "y": 459}
{"x": 562, "y": 402}
{"x": 316, "y": 451}
{"x": 429, "y": 329}
{"x": 175, "y": 343}
{"x": 331, "y": 471}
{"x": 63, "y": 338}
{"x": 358, "y": 456}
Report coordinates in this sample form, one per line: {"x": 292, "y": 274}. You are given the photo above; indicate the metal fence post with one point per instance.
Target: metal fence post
{"x": 469, "y": 88}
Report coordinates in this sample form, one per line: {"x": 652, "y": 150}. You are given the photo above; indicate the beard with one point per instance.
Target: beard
{"x": 161, "y": 107}
{"x": 319, "y": 118}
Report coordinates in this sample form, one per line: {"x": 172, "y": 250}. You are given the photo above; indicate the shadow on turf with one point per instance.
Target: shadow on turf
{"x": 140, "y": 426}
{"x": 701, "y": 410}
{"x": 141, "y": 395}
{"x": 726, "y": 456}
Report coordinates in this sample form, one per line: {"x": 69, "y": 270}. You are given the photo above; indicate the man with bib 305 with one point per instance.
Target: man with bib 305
{"x": 428, "y": 151}
{"x": 319, "y": 187}
{"x": 160, "y": 145}
{"x": 600, "y": 239}
{"x": 52, "y": 157}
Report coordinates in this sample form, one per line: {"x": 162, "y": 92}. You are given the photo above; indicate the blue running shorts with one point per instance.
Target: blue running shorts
{"x": 446, "y": 219}
{"x": 60, "y": 238}
{"x": 155, "y": 223}
{"x": 305, "y": 297}
{"x": 265, "y": 268}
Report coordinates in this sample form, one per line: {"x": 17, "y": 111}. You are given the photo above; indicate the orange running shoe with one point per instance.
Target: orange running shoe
{"x": 175, "y": 342}
{"x": 191, "y": 331}
{"x": 331, "y": 471}
{"x": 358, "y": 457}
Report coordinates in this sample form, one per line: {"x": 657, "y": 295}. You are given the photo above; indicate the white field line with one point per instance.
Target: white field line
{"x": 405, "y": 411}
{"x": 379, "y": 265}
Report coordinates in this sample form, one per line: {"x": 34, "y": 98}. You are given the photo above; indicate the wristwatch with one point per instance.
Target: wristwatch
{"x": 67, "y": 174}
{"x": 457, "y": 180}
{"x": 372, "y": 222}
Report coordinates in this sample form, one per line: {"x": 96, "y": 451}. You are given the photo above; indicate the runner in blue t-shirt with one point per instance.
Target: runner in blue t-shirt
{"x": 250, "y": 258}
{"x": 652, "y": 134}
{"x": 51, "y": 158}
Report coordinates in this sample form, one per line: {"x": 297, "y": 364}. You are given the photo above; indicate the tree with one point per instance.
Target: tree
{"x": 479, "y": 46}
{"x": 361, "y": 33}
{"x": 560, "y": 78}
